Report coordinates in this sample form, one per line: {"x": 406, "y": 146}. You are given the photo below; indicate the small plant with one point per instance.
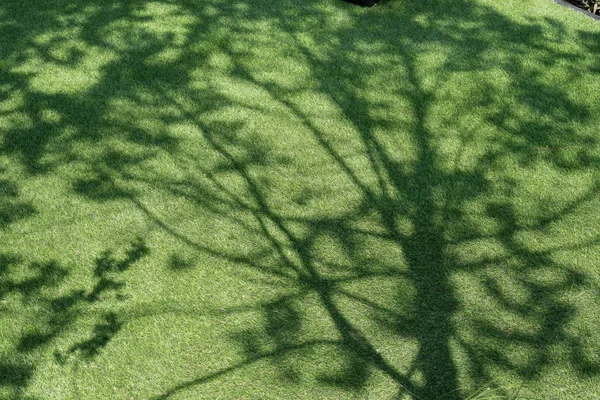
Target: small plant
{"x": 592, "y": 5}
{"x": 589, "y": 5}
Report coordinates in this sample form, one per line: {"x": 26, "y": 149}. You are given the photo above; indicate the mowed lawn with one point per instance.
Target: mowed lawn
{"x": 251, "y": 199}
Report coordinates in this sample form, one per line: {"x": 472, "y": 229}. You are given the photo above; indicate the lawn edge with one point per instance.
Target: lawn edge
{"x": 571, "y": 6}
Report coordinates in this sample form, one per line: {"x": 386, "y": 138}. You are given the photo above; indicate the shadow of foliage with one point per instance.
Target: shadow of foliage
{"x": 14, "y": 377}
{"x": 12, "y": 208}
{"x": 63, "y": 312}
{"x": 413, "y": 208}
{"x": 102, "y": 334}
{"x": 37, "y": 277}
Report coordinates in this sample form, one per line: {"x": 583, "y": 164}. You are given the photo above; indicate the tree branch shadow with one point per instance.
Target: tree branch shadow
{"x": 416, "y": 198}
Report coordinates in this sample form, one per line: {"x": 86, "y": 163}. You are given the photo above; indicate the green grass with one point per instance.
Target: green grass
{"x": 299, "y": 199}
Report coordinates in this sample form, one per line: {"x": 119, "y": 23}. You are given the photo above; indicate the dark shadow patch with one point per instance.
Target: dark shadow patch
{"x": 34, "y": 340}
{"x": 178, "y": 262}
{"x": 15, "y": 376}
{"x": 363, "y": 3}
{"x": 12, "y": 209}
{"x": 108, "y": 266}
{"x": 39, "y": 276}
{"x": 102, "y": 334}
{"x": 11, "y": 212}
{"x": 101, "y": 188}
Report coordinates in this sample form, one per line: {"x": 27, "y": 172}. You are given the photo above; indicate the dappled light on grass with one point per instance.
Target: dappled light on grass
{"x": 240, "y": 199}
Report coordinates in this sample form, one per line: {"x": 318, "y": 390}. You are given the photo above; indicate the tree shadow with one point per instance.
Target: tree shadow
{"x": 61, "y": 313}
{"x": 12, "y": 208}
{"x": 14, "y": 377}
{"x": 419, "y": 187}
{"x": 27, "y": 281}
{"x": 405, "y": 184}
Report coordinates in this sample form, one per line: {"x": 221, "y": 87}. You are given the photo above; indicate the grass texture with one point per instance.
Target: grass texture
{"x": 246, "y": 199}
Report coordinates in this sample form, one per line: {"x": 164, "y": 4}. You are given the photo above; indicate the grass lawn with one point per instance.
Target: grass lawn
{"x": 249, "y": 199}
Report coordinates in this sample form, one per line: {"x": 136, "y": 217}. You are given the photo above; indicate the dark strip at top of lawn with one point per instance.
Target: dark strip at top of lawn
{"x": 578, "y": 9}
